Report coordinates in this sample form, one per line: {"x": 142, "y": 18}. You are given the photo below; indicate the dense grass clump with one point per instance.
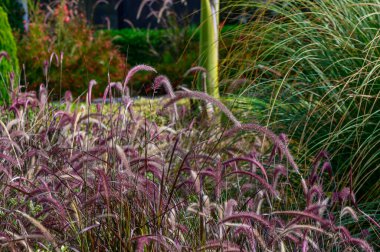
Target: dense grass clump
{"x": 108, "y": 178}
{"x": 314, "y": 65}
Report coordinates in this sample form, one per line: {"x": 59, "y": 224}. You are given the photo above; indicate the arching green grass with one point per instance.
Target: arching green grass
{"x": 316, "y": 66}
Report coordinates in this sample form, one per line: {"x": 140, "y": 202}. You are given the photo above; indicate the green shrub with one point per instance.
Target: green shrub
{"x": 138, "y": 44}
{"x": 315, "y": 64}
{"x": 171, "y": 52}
{"x": 15, "y": 13}
{"x": 7, "y": 44}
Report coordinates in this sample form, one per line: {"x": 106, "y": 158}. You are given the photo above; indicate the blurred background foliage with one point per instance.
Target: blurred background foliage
{"x": 86, "y": 54}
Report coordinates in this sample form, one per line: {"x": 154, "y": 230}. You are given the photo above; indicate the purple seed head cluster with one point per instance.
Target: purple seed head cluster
{"x": 108, "y": 179}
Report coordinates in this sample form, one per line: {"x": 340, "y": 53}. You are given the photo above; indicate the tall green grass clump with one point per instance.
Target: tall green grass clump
{"x": 8, "y": 47}
{"x": 316, "y": 66}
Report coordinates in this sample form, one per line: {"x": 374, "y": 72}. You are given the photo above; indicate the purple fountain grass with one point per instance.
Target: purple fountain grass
{"x": 134, "y": 70}
{"x": 146, "y": 239}
{"x": 109, "y": 87}
{"x": 194, "y": 70}
{"x": 253, "y": 161}
{"x": 54, "y": 56}
{"x": 96, "y": 180}
{"x": 202, "y": 96}
{"x": 68, "y": 100}
{"x": 129, "y": 76}
{"x": 263, "y": 130}
{"x": 247, "y": 215}
{"x": 28, "y": 99}
{"x": 164, "y": 81}
{"x": 279, "y": 170}
{"x": 361, "y": 243}
{"x": 229, "y": 207}
{"x": 304, "y": 214}
{"x": 43, "y": 230}
{"x": 223, "y": 245}
{"x": 46, "y": 69}
{"x": 262, "y": 181}
{"x": 4, "y": 54}
{"x": 91, "y": 84}
{"x": 204, "y": 73}
{"x": 314, "y": 190}
{"x": 43, "y": 96}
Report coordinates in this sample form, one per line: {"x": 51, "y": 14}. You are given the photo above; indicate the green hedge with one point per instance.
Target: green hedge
{"x": 137, "y": 43}
{"x": 168, "y": 51}
{"x": 134, "y": 43}
{"x": 172, "y": 52}
{"x": 7, "y": 44}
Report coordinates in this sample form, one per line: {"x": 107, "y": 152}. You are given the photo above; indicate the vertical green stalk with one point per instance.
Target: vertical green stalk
{"x": 209, "y": 45}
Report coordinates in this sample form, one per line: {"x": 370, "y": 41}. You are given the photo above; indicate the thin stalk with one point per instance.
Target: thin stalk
{"x": 209, "y": 44}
